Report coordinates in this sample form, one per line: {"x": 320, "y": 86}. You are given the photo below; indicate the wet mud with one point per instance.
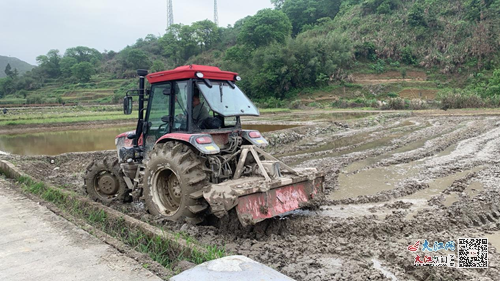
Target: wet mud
{"x": 391, "y": 179}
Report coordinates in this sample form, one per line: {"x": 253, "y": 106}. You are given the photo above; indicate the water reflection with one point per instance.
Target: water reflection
{"x": 53, "y": 143}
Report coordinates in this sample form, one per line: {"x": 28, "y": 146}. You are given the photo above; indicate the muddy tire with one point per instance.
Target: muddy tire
{"x": 104, "y": 182}
{"x": 174, "y": 181}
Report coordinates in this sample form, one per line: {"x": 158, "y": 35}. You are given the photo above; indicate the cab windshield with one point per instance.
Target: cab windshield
{"x": 227, "y": 101}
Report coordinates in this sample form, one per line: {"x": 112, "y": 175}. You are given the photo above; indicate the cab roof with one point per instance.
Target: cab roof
{"x": 189, "y": 71}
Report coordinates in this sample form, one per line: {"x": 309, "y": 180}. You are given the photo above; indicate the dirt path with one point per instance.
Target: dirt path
{"x": 392, "y": 180}
{"x": 36, "y": 244}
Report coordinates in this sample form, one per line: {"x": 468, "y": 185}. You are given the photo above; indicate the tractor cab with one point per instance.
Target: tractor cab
{"x": 201, "y": 105}
{"x": 196, "y": 105}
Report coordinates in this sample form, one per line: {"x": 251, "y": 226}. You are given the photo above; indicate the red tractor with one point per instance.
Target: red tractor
{"x": 189, "y": 156}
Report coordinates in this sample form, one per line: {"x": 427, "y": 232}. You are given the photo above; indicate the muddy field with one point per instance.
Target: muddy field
{"x": 391, "y": 179}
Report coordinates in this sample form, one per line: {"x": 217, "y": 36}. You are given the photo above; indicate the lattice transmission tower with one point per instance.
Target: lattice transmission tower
{"x": 216, "y": 14}
{"x": 170, "y": 13}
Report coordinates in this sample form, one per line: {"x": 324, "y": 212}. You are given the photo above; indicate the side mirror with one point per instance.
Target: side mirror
{"x": 127, "y": 105}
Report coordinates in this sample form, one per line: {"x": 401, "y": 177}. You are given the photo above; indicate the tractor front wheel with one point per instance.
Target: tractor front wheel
{"x": 174, "y": 183}
{"x": 104, "y": 182}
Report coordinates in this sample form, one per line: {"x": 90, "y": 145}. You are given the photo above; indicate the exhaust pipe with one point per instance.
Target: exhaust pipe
{"x": 142, "y": 92}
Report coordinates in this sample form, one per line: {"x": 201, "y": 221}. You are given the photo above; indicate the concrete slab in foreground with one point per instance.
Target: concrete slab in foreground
{"x": 36, "y": 244}
{"x": 238, "y": 268}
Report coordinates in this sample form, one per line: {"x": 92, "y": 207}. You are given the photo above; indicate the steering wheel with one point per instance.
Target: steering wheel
{"x": 180, "y": 122}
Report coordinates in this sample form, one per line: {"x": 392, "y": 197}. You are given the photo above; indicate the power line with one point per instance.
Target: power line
{"x": 170, "y": 13}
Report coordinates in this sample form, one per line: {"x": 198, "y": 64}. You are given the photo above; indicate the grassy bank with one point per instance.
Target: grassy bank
{"x": 54, "y": 115}
{"x": 157, "y": 247}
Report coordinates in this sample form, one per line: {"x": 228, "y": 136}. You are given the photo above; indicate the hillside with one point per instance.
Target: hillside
{"x": 368, "y": 51}
{"x": 15, "y": 63}
{"x": 451, "y": 36}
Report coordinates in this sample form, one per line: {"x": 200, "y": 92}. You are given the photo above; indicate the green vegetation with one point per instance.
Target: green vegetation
{"x": 301, "y": 50}
{"x": 15, "y": 64}
{"x": 63, "y": 115}
{"x": 157, "y": 247}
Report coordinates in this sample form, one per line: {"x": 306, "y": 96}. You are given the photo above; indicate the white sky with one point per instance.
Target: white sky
{"x": 29, "y": 28}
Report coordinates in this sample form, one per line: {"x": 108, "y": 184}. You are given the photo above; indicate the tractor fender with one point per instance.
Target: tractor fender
{"x": 122, "y": 140}
{"x": 202, "y": 142}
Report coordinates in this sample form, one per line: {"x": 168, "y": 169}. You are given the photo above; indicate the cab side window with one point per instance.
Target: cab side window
{"x": 180, "y": 107}
{"x": 158, "y": 115}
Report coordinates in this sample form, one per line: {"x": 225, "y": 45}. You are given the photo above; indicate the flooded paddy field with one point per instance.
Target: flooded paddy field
{"x": 392, "y": 179}
{"x": 74, "y": 140}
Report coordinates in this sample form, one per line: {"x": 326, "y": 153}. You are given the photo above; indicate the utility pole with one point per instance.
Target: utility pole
{"x": 170, "y": 13}
{"x": 216, "y": 14}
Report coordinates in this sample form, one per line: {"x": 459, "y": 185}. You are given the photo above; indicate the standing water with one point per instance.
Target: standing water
{"x": 54, "y": 143}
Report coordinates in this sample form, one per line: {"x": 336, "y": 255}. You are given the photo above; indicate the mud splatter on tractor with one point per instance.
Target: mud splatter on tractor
{"x": 189, "y": 157}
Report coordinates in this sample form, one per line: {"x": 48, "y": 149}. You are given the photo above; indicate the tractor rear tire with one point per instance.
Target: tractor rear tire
{"x": 174, "y": 181}
{"x": 104, "y": 182}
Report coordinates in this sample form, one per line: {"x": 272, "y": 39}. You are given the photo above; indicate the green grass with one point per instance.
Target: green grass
{"x": 26, "y": 116}
{"x": 100, "y": 90}
{"x": 54, "y": 120}
{"x": 157, "y": 247}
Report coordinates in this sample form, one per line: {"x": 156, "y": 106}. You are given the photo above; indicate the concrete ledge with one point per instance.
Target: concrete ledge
{"x": 10, "y": 170}
{"x": 177, "y": 244}
{"x": 238, "y": 268}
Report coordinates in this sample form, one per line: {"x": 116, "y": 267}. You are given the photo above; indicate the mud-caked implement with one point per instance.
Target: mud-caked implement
{"x": 189, "y": 157}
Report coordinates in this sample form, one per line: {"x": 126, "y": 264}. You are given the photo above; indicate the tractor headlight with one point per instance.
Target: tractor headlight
{"x": 199, "y": 75}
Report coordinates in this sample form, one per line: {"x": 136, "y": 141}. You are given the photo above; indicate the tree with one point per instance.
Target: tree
{"x": 6, "y": 86}
{"x": 83, "y": 71}
{"x": 150, "y": 44}
{"x": 12, "y": 74}
{"x": 206, "y": 34}
{"x": 158, "y": 65}
{"x": 304, "y": 13}
{"x": 416, "y": 15}
{"x": 135, "y": 59}
{"x": 8, "y": 70}
{"x": 494, "y": 84}
{"x": 278, "y": 4}
{"x": 229, "y": 36}
{"x": 83, "y": 54}
{"x": 49, "y": 64}
{"x": 379, "y": 6}
{"x": 66, "y": 64}
{"x": 237, "y": 53}
{"x": 301, "y": 62}
{"x": 179, "y": 43}
{"x": 266, "y": 27}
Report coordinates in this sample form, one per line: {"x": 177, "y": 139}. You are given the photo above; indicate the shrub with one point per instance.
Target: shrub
{"x": 35, "y": 100}
{"x": 358, "y": 102}
{"x": 296, "y": 104}
{"x": 395, "y": 104}
{"x": 316, "y": 105}
{"x": 379, "y": 67}
{"x": 271, "y": 102}
{"x": 407, "y": 56}
{"x": 340, "y": 104}
{"x": 460, "y": 100}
